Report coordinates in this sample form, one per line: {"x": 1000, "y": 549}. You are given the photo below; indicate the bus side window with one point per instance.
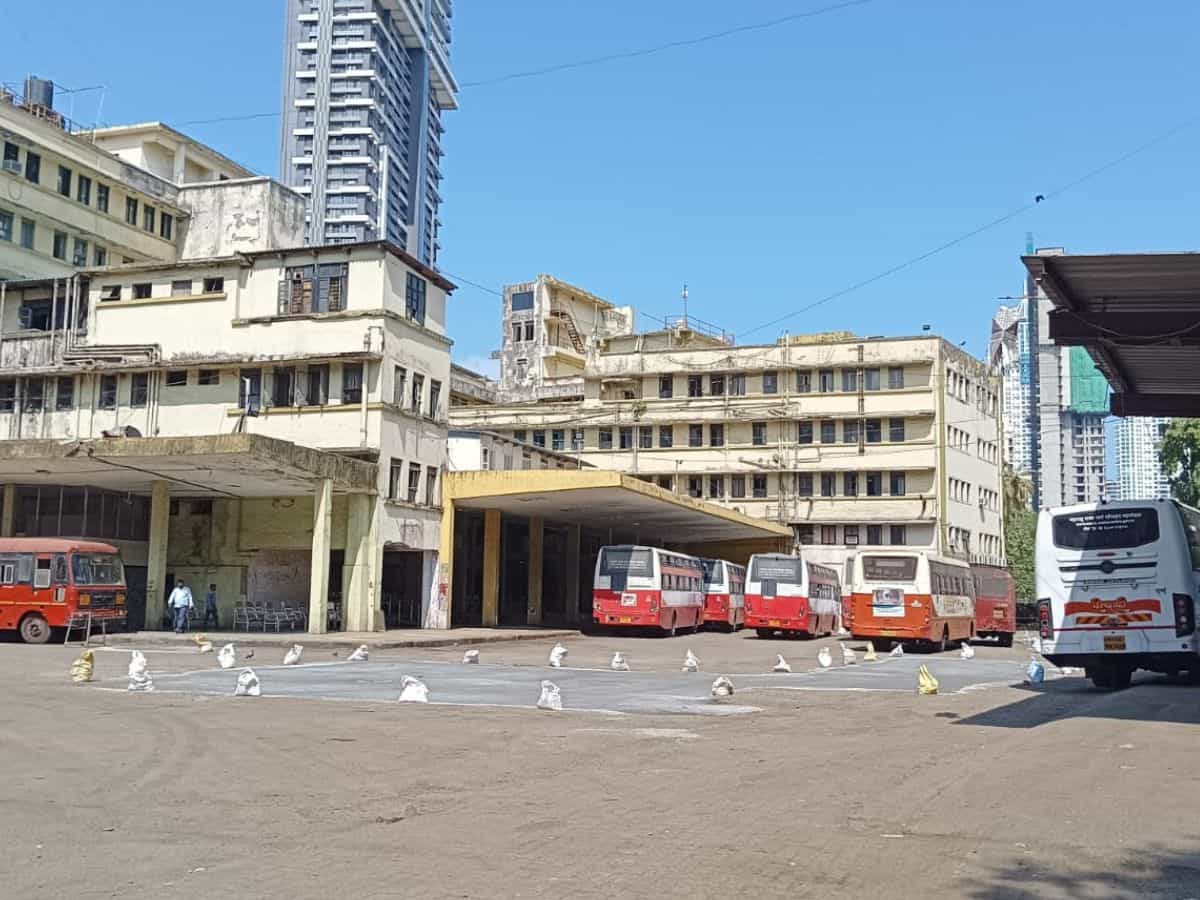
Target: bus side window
{"x": 24, "y": 569}
{"x": 8, "y": 571}
{"x": 60, "y": 569}
{"x": 41, "y": 576}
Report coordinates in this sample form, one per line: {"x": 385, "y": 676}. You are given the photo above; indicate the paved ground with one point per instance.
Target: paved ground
{"x": 450, "y": 637}
{"x": 990, "y": 792}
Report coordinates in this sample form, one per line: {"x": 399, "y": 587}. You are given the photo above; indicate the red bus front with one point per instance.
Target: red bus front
{"x": 995, "y": 604}
{"x": 46, "y": 581}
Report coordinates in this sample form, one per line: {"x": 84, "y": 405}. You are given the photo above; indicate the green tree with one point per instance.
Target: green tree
{"x": 1180, "y": 457}
{"x": 1019, "y": 528}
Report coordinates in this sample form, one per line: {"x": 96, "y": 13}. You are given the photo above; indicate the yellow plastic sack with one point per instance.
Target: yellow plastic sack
{"x": 200, "y": 639}
{"x": 926, "y": 683}
{"x": 82, "y": 668}
{"x": 870, "y": 655}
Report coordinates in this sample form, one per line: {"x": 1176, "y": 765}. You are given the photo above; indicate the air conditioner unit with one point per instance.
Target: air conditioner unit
{"x": 11, "y": 165}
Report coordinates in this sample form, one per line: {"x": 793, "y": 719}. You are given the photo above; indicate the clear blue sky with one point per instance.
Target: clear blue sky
{"x": 766, "y": 170}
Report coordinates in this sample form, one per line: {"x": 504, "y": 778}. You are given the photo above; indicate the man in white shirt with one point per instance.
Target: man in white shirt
{"x": 181, "y": 602}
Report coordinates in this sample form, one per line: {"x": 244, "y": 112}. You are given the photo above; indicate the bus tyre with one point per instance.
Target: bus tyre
{"x": 1110, "y": 678}
{"x": 34, "y": 629}
{"x": 671, "y": 633}
{"x": 764, "y": 632}
{"x": 1005, "y": 639}
{"x": 944, "y": 644}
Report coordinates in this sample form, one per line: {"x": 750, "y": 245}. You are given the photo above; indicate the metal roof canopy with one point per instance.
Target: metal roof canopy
{"x": 1138, "y": 315}
{"x": 602, "y": 499}
{"x": 219, "y": 465}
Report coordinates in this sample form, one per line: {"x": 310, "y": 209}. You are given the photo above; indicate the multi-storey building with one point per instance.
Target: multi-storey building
{"x": 1009, "y": 357}
{"x": 365, "y": 83}
{"x": 1140, "y": 473}
{"x": 853, "y": 442}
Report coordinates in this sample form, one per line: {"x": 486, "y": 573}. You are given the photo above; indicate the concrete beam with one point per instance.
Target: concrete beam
{"x": 491, "y": 567}
{"x": 156, "y": 565}
{"x": 537, "y": 543}
{"x": 318, "y": 589}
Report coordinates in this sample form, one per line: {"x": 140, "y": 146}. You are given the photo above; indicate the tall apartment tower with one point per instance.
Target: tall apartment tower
{"x": 1009, "y": 357}
{"x": 365, "y": 83}
{"x": 1139, "y": 471}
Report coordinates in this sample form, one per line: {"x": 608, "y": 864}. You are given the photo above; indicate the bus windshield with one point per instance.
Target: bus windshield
{"x": 97, "y": 568}
{"x": 712, "y": 571}
{"x": 783, "y": 570}
{"x": 627, "y": 561}
{"x": 1106, "y": 529}
{"x": 889, "y": 568}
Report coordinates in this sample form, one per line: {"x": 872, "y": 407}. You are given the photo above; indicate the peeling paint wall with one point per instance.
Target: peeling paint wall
{"x": 241, "y": 216}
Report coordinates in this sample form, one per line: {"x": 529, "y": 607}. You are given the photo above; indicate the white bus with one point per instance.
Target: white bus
{"x": 1117, "y": 587}
{"x": 911, "y": 597}
{"x": 792, "y": 595}
{"x": 646, "y": 587}
{"x": 724, "y": 593}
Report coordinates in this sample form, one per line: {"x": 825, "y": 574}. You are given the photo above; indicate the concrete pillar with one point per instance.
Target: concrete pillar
{"x": 491, "y": 567}
{"x": 318, "y": 587}
{"x": 537, "y": 534}
{"x": 10, "y": 510}
{"x": 574, "y": 540}
{"x": 442, "y": 582}
{"x": 156, "y": 564}
{"x": 360, "y": 591}
{"x": 180, "y": 164}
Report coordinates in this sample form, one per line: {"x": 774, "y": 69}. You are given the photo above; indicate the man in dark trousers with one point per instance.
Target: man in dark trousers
{"x": 210, "y": 607}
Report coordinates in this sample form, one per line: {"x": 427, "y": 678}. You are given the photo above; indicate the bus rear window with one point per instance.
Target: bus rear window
{"x": 989, "y": 584}
{"x": 712, "y": 571}
{"x": 784, "y": 570}
{"x": 622, "y": 561}
{"x": 890, "y": 568}
{"x": 1106, "y": 529}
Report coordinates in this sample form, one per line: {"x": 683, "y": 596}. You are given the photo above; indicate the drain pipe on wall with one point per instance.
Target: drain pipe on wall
{"x": 366, "y": 369}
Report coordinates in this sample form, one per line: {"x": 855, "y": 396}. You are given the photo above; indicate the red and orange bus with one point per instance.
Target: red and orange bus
{"x": 44, "y": 581}
{"x": 912, "y": 597}
{"x": 792, "y": 595}
{"x": 724, "y": 593}
{"x": 645, "y": 587}
{"x": 995, "y": 604}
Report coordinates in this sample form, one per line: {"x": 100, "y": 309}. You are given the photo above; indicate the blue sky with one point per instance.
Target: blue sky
{"x": 766, "y": 170}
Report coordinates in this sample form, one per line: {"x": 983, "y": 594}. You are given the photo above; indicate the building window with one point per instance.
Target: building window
{"x": 12, "y": 157}
{"x": 28, "y": 233}
{"x": 804, "y": 534}
{"x": 283, "y": 384}
{"x": 604, "y": 438}
{"x": 804, "y": 484}
{"x": 142, "y": 291}
{"x": 539, "y": 438}
{"x": 849, "y": 484}
{"x": 737, "y": 385}
{"x": 148, "y": 218}
{"x": 208, "y": 377}
{"x": 850, "y": 431}
{"x": 803, "y": 382}
{"x": 131, "y": 211}
{"x": 108, "y": 392}
{"x": 828, "y": 484}
{"x": 35, "y": 394}
{"x": 166, "y": 226}
{"x": 895, "y": 430}
{"x": 8, "y": 394}
{"x": 849, "y": 380}
{"x": 414, "y": 298}
{"x": 399, "y": 383}
{"x": 181, "y": 287}
{"x": 60, "y": 245}
{"x": 395, "y": 476}
{"x": 770, "y": 382}
{"x": 80, "y": 255}
{"x": 625, "y": 436}
{"x": 250, "y": 390}
{"x": 759, "y": 486}
{"x": 6, "y": 226}
{"x": 64, "y": 395}
{"x": 311, "y": 289}
{"x": 666, "y": 482}
{"x": 828, "y": 534}
{"x": 414, "y": 481}
{"x": 33, "y": 167}
{"x": 825, "y": 381}
{"x": 875, "y": 535}
{"x": 804, "y": 432}
{"x": 101, "y": 256}
{"x": 102, "y": 197}
{"x": 874, "y": 484}
{"x": 418, "y": 393}
{"x": 177, "y": 378}
{"x": 898, "y": 487}
{"x": 716, "y": 385}
{"x": 214, "y": 285}
{"x": 695, "y": 386}
{"x": 896, "y": 381}
{"x": 577, "y": 439}
{"x": 435, "y": 399}
{"x": 758, "y": 434}
{"x": 431, "y": 494}
{"x": 516, "y": 329}
{"x": 897, "y": 536}
{"x": 645, "y": 437}
{"x": 83, "y": 190}
{"x": 666, "y": 387}
{"x": 737, "y": 486}
{"x": 874, "y": 429}
{"x": 521, "y": 300}
{"x": 716, "y": 435}
{"x": 529, "y": 330}
{"x": 871, "y": 379}
{"x": 695, "y": 435}
{"x": 828, "y": 431}
{"x": 716, "y": 486}
{"x": 139, "y": 389}
{"x": 558, "y": 440}
{"x": 850, "y": 535}
{"x": 666, "y": 435}
{"x": 64, "y": 181}
{"x": 695, "y": 488}
{"x": 520, "y": 436}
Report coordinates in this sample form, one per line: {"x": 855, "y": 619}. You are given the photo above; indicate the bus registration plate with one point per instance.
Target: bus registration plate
{"x": 1114, "y": 642}
{"x": 629, "y": 599}
{"x": 626, "y": 620}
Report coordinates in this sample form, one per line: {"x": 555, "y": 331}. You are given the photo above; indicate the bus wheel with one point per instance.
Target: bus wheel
{"x": 944, "y": 644}
{"x": 671, "y": 633}
{"x": 34, "y": 629}
{"x": 764, "y": 632}
{"x": 1005, "y": 639}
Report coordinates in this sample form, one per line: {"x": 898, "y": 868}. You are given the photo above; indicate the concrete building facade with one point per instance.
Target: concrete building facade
{"x": 487, "y": 451}
{"x": 851, "y": 442}
{"x": 1140, "y": 473}
{"x": 365, "y": 83}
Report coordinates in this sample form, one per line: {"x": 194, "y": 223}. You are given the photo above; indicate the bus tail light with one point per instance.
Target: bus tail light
{"x": 1045, "y": 623}
{"x": 120, "y": 599}
{"x": 85, "y": 600}
{"x": 1185, "y": 615}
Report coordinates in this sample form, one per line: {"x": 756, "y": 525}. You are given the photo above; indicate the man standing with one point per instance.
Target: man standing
{"x": 210, "y": 607}
{"x": 181, "y": 602}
